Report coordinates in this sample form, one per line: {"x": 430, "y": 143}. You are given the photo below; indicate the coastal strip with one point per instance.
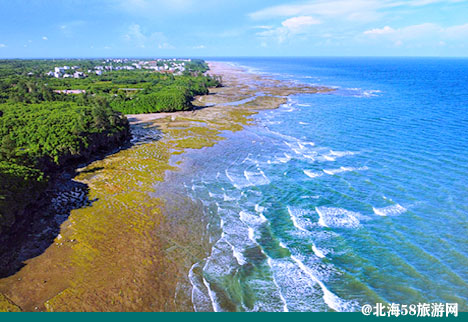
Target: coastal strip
{"x": 132, "y": 247}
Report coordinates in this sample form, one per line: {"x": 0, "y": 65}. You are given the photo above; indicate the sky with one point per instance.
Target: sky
{"x": 213, "y": 28}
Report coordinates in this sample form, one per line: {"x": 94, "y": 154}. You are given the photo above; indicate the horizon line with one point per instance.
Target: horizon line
{"x": 222, "y": 57}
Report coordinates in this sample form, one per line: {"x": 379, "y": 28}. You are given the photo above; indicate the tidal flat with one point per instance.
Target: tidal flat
{"x": 132, "y": 246}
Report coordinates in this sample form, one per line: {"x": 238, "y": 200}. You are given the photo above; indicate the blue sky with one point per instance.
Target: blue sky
{"x": 208, "y": 28}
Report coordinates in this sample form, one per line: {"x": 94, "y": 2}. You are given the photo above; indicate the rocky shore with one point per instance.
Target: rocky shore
{"x": 128, "y": 243}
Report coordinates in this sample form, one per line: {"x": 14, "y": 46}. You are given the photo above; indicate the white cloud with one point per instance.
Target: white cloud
{"x": 298, "y": 23}
{"x": 428, "y": 34}
{"x": 327, "y": 9}
{"x": 165, "y": 45}
{"x": 457, "y": 31}
{"x": 421, "y": 30}
{"x": 45, "y": 38}
{"x": 356, "y": 10}
{"x": 263, "y": 27}
{"x": 139, "y": 38}
{"x": 289, "y": 28}
{"x": 199, "y": 47}
{"x": 382, "y": 31}
{"x": 2, "y": 45}
{"x": 134, "y": 34}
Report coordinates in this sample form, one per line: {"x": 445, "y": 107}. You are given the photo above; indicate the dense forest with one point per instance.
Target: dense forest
{"x": 43, "y": 129}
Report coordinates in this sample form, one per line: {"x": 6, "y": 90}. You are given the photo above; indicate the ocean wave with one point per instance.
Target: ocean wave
{"x": 200, "y": 298}
{"x": 328, "y": 157}
{"x": 337, "y": 217}
{"x": 333, "y": 301}
{"x": 298, "y": 219}
{"x": 393, "y": 210}
{"x": 279, "y": 159}
{"x": 340, "y": 154}
{"x": 256, "y": 178}
{"x": 344, "y": 169}
{"x": 237, "y": 181}
{"x": 259, "y": 209}
{"x": 300, "y": 149}
{"x": 283, "y": 299}
{"x": 252, "y": 220}
{"x": 312, "y": 174}
{"x": 355, "y": 92}
{"x": 228, "y": 198}
{"x": 238, "y": 255}
{"x": 318, "y": 252}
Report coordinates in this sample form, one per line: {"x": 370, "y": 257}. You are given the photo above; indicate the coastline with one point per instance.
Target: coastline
{"x": 115, "y": 254}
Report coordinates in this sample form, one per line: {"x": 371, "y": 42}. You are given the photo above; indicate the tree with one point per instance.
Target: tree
{"x": 7, "y": 148}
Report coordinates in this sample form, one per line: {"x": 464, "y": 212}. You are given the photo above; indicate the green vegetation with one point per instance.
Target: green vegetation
{"x": 162, "y": 93}
{"x": 43, "y": 129}
{"x": 37, "y": 139}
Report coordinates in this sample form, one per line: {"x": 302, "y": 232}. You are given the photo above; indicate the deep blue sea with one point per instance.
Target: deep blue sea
{"x": 343, "y": 199}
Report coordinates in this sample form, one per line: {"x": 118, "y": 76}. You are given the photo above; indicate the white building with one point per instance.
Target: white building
{"x": 78, "y": 75}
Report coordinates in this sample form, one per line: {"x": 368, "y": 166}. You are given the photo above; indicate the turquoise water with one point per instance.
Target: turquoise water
{"x": 337, "y": 200}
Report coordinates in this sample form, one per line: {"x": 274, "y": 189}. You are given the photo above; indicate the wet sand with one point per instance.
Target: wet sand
{"x": 131, "y": 249}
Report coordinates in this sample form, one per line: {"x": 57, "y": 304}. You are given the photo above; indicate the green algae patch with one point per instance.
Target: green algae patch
{"x": 6, "y": 305}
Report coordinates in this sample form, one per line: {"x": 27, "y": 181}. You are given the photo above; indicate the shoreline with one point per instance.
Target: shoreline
{"x": 114, "y": 255}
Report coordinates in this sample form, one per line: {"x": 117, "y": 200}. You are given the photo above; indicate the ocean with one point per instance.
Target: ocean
{"x": 337, "y": 200}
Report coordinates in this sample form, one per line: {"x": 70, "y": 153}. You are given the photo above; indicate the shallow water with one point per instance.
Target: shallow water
{"x": 336, "y": 200}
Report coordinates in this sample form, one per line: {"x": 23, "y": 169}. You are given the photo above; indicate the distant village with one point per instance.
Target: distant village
{"x": 173, "y": 66}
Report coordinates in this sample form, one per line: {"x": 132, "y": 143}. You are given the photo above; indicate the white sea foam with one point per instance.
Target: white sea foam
{"x": 371, "y": 92}
{"x": 238, "y": 255}
{"x": 284, "y": 159}
{"x": 297, "y": 217}
{"x": 303, "y": 123}
{"x": 300, "y": 148}
{"x": 247, "y": 158}
{"x": 237, "y": 181}
{"x": 312, "y": 174}
{"x": 251, "y": 220}
{"x": 293, "y": 147}
{"x": 337, "y": 217}
{"x": 228, "y": 198}
{"x": 329, "y": 157}
{"x": 252, "y": 234}
{"x": 212, "y": 294}
{"x": 259, "y": 209}
{"x": 344, "y": 169}
{"x": 341, "y": 153}
{"x": 200, "y": 299}
{"x": 256, "y": 178}
{"x": 393, "y": 210}
{"x": 304, "y": 105}
{"x": 333, "y": 301}
{"x": 285, "y": 303}
{"x": 318, "y": 252}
